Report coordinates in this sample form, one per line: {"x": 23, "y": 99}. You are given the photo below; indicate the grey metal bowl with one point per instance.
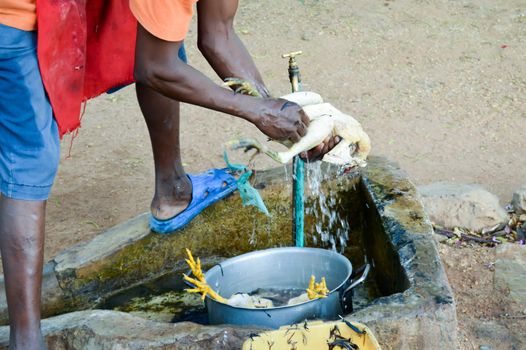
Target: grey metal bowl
{"x": 289, "y": 267}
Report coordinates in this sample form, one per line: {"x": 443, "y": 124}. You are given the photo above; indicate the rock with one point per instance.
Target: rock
{"x": 101, "y": 329}
{"x": 491, "y": 330}
{"x": 510, "y": 275}
{"x": 461, "y": 205}
{"x": 519, "y": 200}
{"x": 492, "y": 335}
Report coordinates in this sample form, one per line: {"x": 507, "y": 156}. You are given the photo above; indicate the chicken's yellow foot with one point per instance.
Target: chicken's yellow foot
{"x": 204, "y": 289}
{"x": 201, "y": 286}
{"x": 317, "y": 290}
{"x": 241, "y": 86}
{"x": 195, "y": 266}
{"x": 251, "y": 144}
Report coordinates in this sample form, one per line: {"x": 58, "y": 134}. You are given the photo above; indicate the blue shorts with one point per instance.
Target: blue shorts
{"x": 182, "y": 53}
{"x": 29, "y": 139}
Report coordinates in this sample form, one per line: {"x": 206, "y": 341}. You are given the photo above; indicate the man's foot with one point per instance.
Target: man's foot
{"x": 172, "y": 199}
{"x": 33, "y": 341}
{"x": 207, "y": 188}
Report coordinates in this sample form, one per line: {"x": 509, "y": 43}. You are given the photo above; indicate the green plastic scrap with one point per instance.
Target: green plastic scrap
{"x": 249, "y": 195}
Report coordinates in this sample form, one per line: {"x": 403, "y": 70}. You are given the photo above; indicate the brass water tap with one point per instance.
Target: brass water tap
{"x": 292, "y": 57}
{"x": 294, "y": 70}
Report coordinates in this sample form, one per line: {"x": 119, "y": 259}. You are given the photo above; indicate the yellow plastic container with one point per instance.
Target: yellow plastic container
{"x": 316, "y": 335}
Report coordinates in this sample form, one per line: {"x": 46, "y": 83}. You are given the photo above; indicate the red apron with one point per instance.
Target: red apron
{"x": 85, "y": 48}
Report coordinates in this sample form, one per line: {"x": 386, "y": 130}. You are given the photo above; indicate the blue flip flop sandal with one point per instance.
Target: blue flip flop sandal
{"x": 207, "y": 188}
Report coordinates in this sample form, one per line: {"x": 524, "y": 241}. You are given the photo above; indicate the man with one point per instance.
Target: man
{"x": 163, "y": 80}
{"x": 29, "y": 139}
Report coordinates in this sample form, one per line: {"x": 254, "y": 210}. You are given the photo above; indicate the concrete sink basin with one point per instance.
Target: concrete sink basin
{"x": 406, "y": 300}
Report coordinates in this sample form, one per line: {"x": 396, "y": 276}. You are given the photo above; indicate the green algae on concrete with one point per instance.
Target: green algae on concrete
{"x": 222, "y": 230}
{"x": 165, "y": 307}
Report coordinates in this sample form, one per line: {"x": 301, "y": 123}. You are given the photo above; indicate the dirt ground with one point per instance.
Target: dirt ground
{"x": 484, "y": 318}
{"x": 440, "y": 86}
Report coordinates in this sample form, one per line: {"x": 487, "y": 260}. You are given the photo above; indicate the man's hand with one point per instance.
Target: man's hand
{"x": 319, "y": 151}
{"x": 282, "y": 120}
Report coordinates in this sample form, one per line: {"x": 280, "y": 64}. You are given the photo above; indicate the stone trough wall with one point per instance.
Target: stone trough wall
{"x": 416, "y": 310}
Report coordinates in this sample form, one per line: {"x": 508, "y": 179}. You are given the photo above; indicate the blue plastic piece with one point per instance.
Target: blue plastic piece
{"x": 249, "y": 195}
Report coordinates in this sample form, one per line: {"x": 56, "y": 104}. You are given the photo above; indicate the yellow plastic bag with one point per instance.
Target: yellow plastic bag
{"x": 316, "y": 335}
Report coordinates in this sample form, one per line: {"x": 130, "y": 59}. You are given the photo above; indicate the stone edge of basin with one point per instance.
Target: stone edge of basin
{"x": 424, "y": 315}
{"x": 103, "y": 329}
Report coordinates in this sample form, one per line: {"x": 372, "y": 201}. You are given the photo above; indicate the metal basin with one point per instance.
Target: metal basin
{"x": 282, "y": 268}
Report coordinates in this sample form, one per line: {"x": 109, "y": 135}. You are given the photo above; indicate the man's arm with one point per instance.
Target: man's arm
{"x": 227, "y": 55}
{"x": 157, "y": 66}
{"x": 220, "y": 45}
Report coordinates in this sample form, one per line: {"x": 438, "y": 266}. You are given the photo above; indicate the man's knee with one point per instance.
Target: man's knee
{"x": 143, "y": 75}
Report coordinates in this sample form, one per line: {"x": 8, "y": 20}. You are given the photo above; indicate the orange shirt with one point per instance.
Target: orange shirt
{"x": 19, "y": 14}
{"x": 166, "y": 19}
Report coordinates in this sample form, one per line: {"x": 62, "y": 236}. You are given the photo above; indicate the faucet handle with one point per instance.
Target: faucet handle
{"x": 292, "y": 58}
{"x": 291, "y": 55}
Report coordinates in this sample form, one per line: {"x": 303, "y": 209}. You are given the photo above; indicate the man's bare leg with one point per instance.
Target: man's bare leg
{"x": 173, "y": 189}
{"x": 22, "y": 246}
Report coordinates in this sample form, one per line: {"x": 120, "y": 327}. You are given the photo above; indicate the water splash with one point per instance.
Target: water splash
{"x": 331, "y": 228}
{"x": 331, "y": 225}
{"x": 287, "y": 179}
{"x": 253, "y": 237}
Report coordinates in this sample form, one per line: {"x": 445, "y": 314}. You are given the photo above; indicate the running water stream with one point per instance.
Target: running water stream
{"x": 331, "y": 226}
